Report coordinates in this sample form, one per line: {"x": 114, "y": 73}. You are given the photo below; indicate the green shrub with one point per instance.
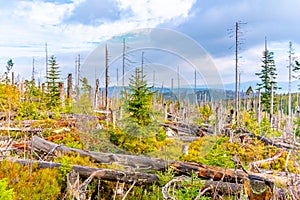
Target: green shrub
{"x": 5, "y": 194}
{"x": 29, "y": 182}
{"x": 210, "y": 150}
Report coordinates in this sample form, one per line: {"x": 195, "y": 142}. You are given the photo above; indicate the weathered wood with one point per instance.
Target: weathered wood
{"x": 136, "y": 162}
{"x": 185, "y": 129}
{"x": 266, "y": 140}
{"x": 210, "y": 172}
{"x": 227, "y": 175}
{"x": 69, "y": 87}
{"x": 105, "y": 174}
{"x": 256, "y": 164}
{"x": 27, "y": 129}
{"x": 142, "y": 163}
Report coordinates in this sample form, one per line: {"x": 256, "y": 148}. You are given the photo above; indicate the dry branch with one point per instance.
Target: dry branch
{"x": 256, "y": 164}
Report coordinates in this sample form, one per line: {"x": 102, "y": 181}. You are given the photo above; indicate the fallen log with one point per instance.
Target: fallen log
{"x": 266, "y": 140}
{"x": 210, "y": 172}
{"x": 130, "y": 161}
{"x": 181, "y": 129}
{"x": 27, "y": 129}
{"x": 147, "y": 163}
{"x": 100, "y": 173}
{"x": 256, "y": 164}
{"x": 137, "y": 178}
{"x": 186, "y": 138}
{"x": 185, "y": 129}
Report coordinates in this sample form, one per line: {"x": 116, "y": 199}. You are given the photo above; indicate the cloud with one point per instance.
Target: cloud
{"x": 94, "y": 12}
{"x": 72, "y": 27}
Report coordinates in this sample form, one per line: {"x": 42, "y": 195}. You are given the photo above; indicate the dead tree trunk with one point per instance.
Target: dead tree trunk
{"x": 106, "y": 174}
{"x": 69, "y": 88}
{"x": 140, "y": 162}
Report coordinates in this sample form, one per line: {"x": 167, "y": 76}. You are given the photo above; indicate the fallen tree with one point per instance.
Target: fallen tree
{"x": 105, "y": 174}
{"x": 26, "y": 129}
{"x": 265, "y": 140}
{"x": 129, "y": 161}
{"x": 142, "y": 163}
{"x": 134, "y": 178}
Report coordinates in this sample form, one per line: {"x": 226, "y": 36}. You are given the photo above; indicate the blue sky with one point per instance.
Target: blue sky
{"x": 74, "y": 27}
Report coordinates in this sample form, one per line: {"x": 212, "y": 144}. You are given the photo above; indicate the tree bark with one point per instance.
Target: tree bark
{"x": 130, "y": 161}
{"x": 142, "y": 163}
{"x": 105, "y": 174}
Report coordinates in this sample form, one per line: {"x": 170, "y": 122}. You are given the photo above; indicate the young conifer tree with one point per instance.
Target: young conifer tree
{"x": 53, "y": 77}
{"x": 268, "y": 77}
{"x": 139, "y": 101}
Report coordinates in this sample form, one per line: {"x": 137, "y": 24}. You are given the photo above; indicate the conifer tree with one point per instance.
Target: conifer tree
{"x": 268, "y": 78}
{"x": 296, "y": 69}
{"x": 139, "y": 101}
{"x": 53, "y": 77}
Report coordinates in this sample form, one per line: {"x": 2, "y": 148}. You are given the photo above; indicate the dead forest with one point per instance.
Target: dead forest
{"x": 64, "y": 142}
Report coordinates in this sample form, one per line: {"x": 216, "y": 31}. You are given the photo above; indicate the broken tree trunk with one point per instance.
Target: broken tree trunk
{"x": 28, "y": 129}
{"x": 130, "y": 161}
{"x": 266, "y": 140}
{"x": 140, "y": 162}
{"x": 105, "y": 174}
{"x": 255, "y": 165}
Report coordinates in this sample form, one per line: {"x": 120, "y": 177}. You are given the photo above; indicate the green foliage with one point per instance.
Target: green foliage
{"x": 32, "y": 107}
{"x": 29, "y": 182}
{"x": 161, "y": 135}
{"x": 210, "y": 150}
{"x": 5, "y": 194}
{"x": 189, "y": 189}
{"x": 249, "y": 121}
{"x": 52, "y": 83}
{"x": 205, "y": 113}
{"x": 296, "y": 69}
{"x": 71, "y": 140}
{"x": 137, "y": 139}
{"x": 139, "y": 99}
{"x": 73, "y": 159}
{"x": 265, "y": 130}
{"x": 268, "y": 78}
{"x": 84, "y": 104}
{"x": 9, "y": 65}
{"x": 297, "y": 127}
{"x": 9, "y": 98}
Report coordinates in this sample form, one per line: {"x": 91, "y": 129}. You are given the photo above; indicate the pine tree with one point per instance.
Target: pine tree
{"x": 268, "y": 78}
{"x": 53, "y": 77}
{"x": 139, "y": 99}
{"x": 296, "y": 69}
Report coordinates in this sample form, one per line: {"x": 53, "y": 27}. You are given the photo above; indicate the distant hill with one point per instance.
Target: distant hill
{"x": 188, "y": 92}
{"x": 244, "y": 86}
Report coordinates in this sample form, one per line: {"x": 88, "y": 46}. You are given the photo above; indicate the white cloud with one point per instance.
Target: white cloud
{"x": 42, "y": 13}
{"x": 250, "y": 63}
{"x": 28, "y": 25}
{"x": 157, "y": 9}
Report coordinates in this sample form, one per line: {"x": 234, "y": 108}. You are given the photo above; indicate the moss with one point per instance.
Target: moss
{"x": 210, "y": 150}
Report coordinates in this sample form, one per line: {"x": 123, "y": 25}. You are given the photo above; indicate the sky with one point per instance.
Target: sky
{"x": 72, "y": 27}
